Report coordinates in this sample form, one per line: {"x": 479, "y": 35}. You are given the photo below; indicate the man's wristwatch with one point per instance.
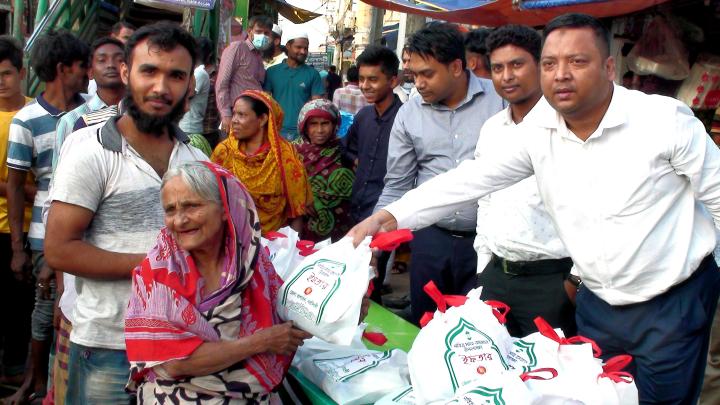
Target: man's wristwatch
{"x": 574, "y": 280}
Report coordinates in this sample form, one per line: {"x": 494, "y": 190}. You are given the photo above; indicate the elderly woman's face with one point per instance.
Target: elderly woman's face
{"x": 196, "y": 223}
{"x": 319, "y": 130}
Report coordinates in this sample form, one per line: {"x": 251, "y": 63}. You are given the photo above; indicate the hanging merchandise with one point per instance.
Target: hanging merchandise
{"x": 659, "y": 52}
{"x": 701, "y": 90}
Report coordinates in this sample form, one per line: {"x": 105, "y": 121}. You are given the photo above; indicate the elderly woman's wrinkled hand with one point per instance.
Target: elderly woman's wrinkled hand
{"x": 283, "y": 338}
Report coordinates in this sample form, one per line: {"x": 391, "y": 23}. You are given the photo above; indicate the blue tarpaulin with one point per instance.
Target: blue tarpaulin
{"x": 499, "y": 12}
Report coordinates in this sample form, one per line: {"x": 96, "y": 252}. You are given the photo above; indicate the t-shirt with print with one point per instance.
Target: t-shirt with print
{"x": 30, "y": 148}
{"x": 5, "y": 118}
{"x": 292, "y": 88}
{"x": 100, "y": 171}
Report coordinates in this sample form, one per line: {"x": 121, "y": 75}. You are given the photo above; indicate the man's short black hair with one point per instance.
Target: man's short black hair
{"x": 261, "y": 20}
{"x": 521, "y": 36}
{"x": 56, "y": 47}
{"x": 577, "y": 20}
{"x": 105, "y": 41}
{"x": 205, "y": 51}
{"x": 11, "y": 50}
{"x": 118, "y": 26}
{"x": 165, "y": 35}
{"x": 475, "y": 41}
{"x": 333, "y": 68}
{"x": 439, "y": 40}
{"x": 377, "y": 55}
{"x": 353, "y": 74}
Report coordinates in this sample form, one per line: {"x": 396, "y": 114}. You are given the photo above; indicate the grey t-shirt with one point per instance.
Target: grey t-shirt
{"x": 123, "y": 192}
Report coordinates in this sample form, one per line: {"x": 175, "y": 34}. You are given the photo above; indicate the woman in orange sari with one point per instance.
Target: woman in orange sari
{"x": 265, "y": 163}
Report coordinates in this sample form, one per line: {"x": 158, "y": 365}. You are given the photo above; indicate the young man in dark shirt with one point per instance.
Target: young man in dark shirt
{"x": 366, "y": 143}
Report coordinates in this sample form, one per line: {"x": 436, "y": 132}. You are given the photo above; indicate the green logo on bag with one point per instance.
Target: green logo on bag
{"x": 322, "y": 269}
{"x": 342, "y": 369}
{"x": 489, "y": 396}
{"x": 471, "y": 349}
{"x": 524, "y": 352}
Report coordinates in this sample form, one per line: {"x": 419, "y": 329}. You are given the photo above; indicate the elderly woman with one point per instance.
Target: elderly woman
{"x": 264, "y": 162}
{"x": 201, "y": 326}
{"x": 331, "y": 183}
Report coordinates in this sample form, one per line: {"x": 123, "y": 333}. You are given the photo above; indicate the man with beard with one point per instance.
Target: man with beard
{"x": 293, "y": 83}
{"x": 105, "y": 205}
{"x": 276, "y": 53}
{"x": 241, "y": 67}
{"x": 406, "y": 88}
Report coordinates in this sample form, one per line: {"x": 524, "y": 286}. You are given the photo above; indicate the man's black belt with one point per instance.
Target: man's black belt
{"x": 457, "y": 234}
{"x": 535, "y": 267}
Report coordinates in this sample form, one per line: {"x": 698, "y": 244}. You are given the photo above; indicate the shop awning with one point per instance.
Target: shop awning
{"x": 499, "y": 12}
{"x": 295, "y": 14}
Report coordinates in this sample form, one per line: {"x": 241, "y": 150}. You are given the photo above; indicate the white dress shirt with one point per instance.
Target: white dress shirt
{"x": 627, "y": 203}
{"x": 513, "y": 223}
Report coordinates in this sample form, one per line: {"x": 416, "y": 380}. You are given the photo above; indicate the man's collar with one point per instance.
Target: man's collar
{"x": 110, "y": 138}
{"x": 79, "y": 100}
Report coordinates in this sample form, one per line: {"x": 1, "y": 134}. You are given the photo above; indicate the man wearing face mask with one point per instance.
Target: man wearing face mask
{"x": 241, "y": 67}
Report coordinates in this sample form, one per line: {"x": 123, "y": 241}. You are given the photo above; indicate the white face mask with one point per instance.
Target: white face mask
{"x": 261, "y": 42}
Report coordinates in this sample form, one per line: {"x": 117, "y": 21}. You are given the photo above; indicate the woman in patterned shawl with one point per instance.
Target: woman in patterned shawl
{"x": 329, "y": 214}
{"x": 201, "y": 326}
{"x": 265, "y": 163}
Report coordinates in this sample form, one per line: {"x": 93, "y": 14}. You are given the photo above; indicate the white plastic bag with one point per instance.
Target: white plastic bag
{"x": 323, "y": 295}
{"x": 494, "y": 389}
{"x": 533, "y": 351}
{"x": 615, "y": 386}
{"x": 314, "y": 346}
{"x": 357, "y": 376}
{"x": 461, "y": 345}
{"x": 281, "y": 246}
{"x": 402, "y": 396}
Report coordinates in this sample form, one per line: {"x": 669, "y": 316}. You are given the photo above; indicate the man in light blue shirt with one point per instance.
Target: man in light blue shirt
{"x": 431, "y": 135}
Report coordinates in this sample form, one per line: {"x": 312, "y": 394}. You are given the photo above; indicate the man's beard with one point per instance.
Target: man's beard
{"x": 153, "y": 124}
{"x": 298, "y": 59}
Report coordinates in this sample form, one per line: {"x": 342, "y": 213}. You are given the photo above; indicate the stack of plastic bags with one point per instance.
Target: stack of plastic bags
{"x": 464, "y": 355}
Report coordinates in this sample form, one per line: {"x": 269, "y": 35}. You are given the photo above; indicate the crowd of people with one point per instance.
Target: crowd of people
{"x": 131, "y": 214}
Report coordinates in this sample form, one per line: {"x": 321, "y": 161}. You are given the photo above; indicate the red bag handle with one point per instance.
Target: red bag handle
{"x": 433, "y": 292}
{"x": 500, "y": 310}
{"x": 305, "y": 247}
{"x": 530, "y": 375}
{"x": 546, "y": 330}
{"x": 612, "y": 369}
{"x": 389, "y": 241}
{"x": 617, "y": 363}
{"x": 272, "y": 235}
{"x": 376, "y": 338}
{"x": 618, "y": 376}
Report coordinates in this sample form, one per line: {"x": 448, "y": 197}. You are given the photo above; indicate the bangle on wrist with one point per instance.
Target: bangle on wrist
{"x": 574, "y": 280}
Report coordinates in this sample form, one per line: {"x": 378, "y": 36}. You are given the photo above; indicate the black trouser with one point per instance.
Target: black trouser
{"x": 17, "y": 299}
{"x": 531, "y": 289}
{"x": 382, "y": 262}
{"x": 667, "y": 336}
{"x": 446, "y": 258}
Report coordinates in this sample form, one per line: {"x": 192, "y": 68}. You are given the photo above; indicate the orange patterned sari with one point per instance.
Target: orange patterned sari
{"x": 274, "y": 175}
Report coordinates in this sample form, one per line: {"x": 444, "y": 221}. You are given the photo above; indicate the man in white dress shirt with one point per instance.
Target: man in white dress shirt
{"x": 521, "y": 260}
{"x": 624, "y": 176}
